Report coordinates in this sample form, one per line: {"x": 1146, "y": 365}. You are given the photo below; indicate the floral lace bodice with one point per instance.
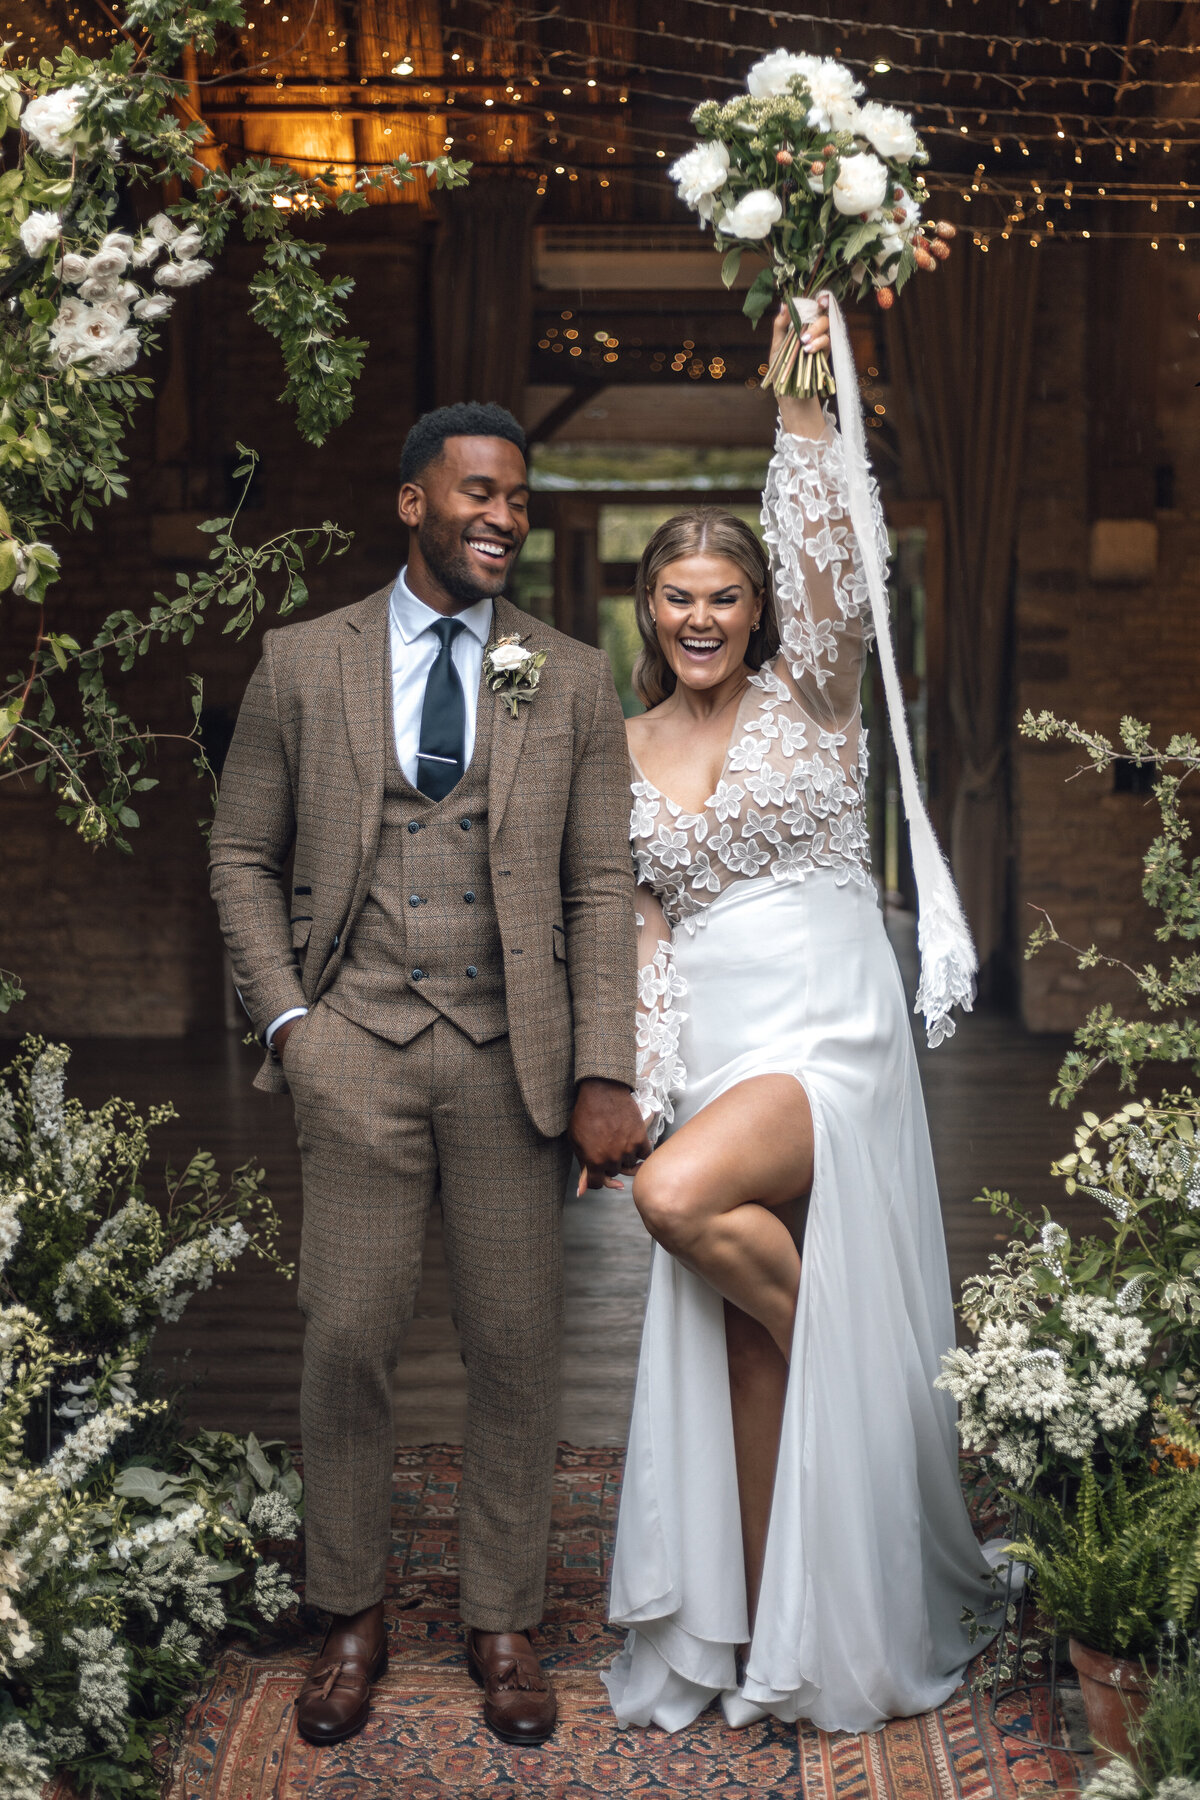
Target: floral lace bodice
{"x": 791, "y": 795}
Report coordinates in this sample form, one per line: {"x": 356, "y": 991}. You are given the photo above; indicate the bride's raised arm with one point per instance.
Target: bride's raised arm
{"x": 820, "y": 588}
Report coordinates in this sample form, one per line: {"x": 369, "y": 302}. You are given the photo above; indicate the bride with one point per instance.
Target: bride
{"x": 792, "y": 1536}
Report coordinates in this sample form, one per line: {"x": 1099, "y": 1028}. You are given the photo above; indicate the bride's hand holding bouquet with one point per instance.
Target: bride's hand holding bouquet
{"x": 824, "y": 187}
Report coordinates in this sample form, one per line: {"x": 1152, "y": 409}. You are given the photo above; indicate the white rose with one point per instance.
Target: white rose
{"x": 887, "y": 130}
{"x": 701, "y": 174}
{"x": 107, "y": 262}
{"x": 182, "y": 274}
{"x": 40, "y": 230}
{"x": 117, "y": 240}
{"x": 145, "y": 251}
{"x": 100, "y": 287}
{"x": 772, "y": 75}
{"x": 164, "y": 229}
{"x": 122, "y": 354}
{"x": 71, "y": 267}
{"x": 52, "y": 119}
{"x": 152, "y": 306}
{"x": 831, "y": 92}
{"x": 187, "y": 244}
{"x": 861, "y": 185}
{"x": 509, "y": 656}
{"x": 115, "y": 307}
{"x": 71, "y": 311}
{"x": 754, "y": 214}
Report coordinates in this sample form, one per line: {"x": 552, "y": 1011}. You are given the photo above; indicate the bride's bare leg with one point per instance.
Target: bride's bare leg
{"x": 758, "y": 1377}
{"x": 707, "y": 1194}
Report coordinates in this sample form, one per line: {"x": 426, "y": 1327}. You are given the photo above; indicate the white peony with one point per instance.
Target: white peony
{"x": 701, "y": 174}
{"x": 184, "y": 274}
{"x": 40, "y": 230}
{"x": 71, "y": 267}
{"x": 832, "y": 89}
{"x": 52, "y": 120}
{"x": 152, "y": 306}
{"x": 164, "y": 229}
{"x": 862, "y": 183}
{"x": 509, "y": 656}
{"x": 773, "y": 75}
{"x": 187, "y": 244}
{"x": 754, "y": 214}
{"x": 887, "y": 130}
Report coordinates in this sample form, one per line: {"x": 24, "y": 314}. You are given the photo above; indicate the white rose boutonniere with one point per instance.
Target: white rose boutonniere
{"x": 512, "y": 671}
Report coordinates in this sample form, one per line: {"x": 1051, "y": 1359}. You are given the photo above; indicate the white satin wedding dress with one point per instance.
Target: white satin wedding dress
{"x": 764, "y": 951}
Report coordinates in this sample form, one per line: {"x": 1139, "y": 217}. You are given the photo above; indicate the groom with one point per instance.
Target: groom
{"x": 448, "y": 992}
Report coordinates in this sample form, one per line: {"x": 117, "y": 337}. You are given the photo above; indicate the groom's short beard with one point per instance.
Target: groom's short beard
{"x": 444, "y": 548}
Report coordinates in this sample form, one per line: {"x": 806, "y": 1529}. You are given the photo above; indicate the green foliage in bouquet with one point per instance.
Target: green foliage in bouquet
{"x": 1113, "y": 1570}
{"x": 124, "y": 1550}
{"x": 89, "y": 270}
{"x": 823, "y": 187}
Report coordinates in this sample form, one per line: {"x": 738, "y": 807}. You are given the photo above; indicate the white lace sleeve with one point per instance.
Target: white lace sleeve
{"x": 820, "y": 585}
{"x": 660, "y": 1073}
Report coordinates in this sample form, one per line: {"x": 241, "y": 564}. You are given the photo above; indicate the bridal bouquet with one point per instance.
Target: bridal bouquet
{"x": 823, "y": 185}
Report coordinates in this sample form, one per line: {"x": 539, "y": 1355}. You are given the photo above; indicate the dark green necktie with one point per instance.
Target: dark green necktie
{"x": 443, "y": 719}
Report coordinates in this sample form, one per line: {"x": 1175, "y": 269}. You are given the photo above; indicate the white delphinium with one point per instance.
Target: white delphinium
{"x": 888, "y": 130}
{"x": 103, "y": 1692}
{"x": 11, "y": 1201}
{"x": 273, "y": 1591}
{"x": 10, "y": 1137}
{"x": 87, "y": 1445}
{"x": 24, "y": 1768}
{"x": 273, "y": 1516}
{"x": 88, "y": 1270}
{"x": 47, "y": 1079}
{"x": 17, "y": 1641}
{"x": 52, "y": 120}
{"x": 701, "y": 175}
{"x": 170, "y": 1284}
{"x": 39, "y": 231}
{"x": 81, "y": 1160}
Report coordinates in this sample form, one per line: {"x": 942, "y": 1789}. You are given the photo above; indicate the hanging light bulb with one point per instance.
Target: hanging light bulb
{"x": 404, "y": 66}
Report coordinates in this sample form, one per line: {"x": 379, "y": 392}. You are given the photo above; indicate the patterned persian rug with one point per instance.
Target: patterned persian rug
{"x": 426, "y": 1739}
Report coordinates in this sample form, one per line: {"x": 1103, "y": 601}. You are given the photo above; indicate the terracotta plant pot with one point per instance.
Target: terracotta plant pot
{"x": 1113, "y": 1690}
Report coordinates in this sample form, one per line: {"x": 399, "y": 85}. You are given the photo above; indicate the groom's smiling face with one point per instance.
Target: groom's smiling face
{"x": 468, "y": 513}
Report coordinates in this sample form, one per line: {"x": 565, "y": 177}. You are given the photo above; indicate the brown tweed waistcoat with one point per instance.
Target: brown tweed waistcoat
{"x": 427, "y": 939}
{"x": 304, "y": 778}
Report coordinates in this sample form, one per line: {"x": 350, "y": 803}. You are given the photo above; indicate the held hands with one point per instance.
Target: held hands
{"x": 606, "y": 1132}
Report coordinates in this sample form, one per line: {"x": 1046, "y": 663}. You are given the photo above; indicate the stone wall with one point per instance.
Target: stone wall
{"x": 109, "y": 944}
{"x": 1094, "y": 652}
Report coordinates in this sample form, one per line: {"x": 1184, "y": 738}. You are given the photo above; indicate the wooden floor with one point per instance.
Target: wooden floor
{"x": 239, "y": 1344}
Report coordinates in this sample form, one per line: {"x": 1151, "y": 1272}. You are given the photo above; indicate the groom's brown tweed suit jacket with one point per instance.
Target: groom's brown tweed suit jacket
{"x": 306, "y": 769}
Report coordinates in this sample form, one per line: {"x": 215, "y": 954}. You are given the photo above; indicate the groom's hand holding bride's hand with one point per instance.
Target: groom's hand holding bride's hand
{"x": 606, "y": 1132}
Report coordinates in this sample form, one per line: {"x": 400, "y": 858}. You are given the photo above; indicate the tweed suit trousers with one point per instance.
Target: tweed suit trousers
{"x": 383, "y": 1128}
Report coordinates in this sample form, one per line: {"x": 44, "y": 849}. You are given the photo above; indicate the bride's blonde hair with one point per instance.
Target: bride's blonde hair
{"x": 712, "y": 531}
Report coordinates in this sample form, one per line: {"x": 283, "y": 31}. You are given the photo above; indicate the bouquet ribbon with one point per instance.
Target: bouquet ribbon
{"x": 948, "y": 961}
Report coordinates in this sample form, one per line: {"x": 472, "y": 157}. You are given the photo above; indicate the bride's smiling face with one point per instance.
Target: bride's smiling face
{"x": 704, "y": 609}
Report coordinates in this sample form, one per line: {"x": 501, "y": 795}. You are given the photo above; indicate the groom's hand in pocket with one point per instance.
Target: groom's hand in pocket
{"x": 606, "y": 1132}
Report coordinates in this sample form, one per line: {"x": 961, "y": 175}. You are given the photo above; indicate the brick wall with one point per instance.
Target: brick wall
{"x": 1093, "y": 653}
{"x": 108, "y": 944}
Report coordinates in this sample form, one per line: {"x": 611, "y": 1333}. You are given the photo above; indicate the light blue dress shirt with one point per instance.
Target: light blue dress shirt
{"x": 413, "y": 649}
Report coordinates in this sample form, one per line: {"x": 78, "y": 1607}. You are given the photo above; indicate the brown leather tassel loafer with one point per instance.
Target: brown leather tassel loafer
{"x": 335, "y": 1701}
{"x": 518, "y": 1701}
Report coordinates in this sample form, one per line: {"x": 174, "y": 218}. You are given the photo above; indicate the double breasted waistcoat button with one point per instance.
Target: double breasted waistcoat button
{"x": 465, "y": 823}
{"x": 418, "y": 974}
{"x": 472, "y": 971}
{"x": 414, "y": 824}
{"x": 414, "y": 899}
{"x": 469, "y": 898}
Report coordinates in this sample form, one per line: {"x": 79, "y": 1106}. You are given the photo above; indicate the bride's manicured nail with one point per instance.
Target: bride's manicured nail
{"x": 805, "y": 339}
